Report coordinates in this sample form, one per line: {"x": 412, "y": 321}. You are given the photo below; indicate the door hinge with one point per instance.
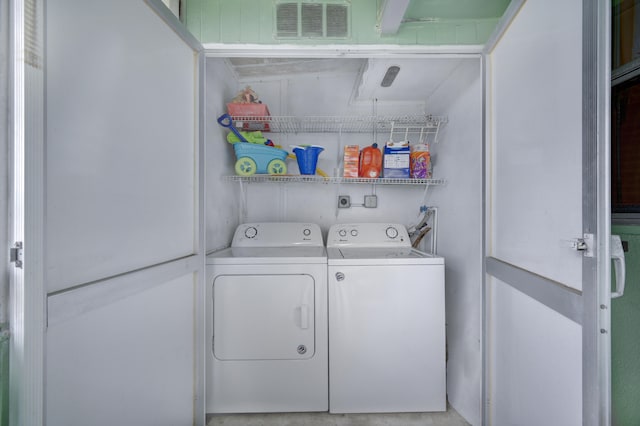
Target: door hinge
{"x": 15, "y": 254}
{"x": 584, "y": 244}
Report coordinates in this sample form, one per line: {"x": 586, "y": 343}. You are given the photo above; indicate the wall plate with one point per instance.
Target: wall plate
{"x": 344, "y": 201}
{"x": 371, "y": 201}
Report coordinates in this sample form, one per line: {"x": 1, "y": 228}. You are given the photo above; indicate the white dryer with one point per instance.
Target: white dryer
{"x": 267, "y": 321}
{"x": 386, "y": 322}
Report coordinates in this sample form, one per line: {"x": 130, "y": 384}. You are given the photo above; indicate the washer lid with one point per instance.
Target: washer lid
{"x": 387, "y": 235}
{"x": 268, "y": 255}
{"x": 381, "y": 256}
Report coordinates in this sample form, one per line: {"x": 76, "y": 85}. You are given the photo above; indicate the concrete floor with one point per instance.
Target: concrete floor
{"x": 448, "y": 418}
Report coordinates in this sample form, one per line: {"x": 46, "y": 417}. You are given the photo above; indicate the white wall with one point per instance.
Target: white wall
{"x": 459, "y": 156}
{"x": 328, "y": 93}
{"x": 222, "y": 214}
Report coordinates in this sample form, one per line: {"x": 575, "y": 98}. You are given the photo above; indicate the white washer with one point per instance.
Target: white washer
{"x": 267, "y": 321}
{"x": 386, "y": 322}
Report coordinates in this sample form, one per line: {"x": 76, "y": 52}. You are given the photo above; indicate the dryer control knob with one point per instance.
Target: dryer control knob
{"x": 250, "y": 232}
{"x": 342, "y": 233}
{"x": 339, "y": 276}
{"x": 302, "y": 349}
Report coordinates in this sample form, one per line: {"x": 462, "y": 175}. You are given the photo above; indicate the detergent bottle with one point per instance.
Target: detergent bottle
{"x": 420, "y": 161}
{"x": 370, "y": 162}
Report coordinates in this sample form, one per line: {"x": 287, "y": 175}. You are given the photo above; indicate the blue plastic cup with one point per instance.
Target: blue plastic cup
{"x": 307, "y": 157}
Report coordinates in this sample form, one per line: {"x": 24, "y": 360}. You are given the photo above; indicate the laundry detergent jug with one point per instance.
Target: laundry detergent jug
{"x": 370, "y": 162}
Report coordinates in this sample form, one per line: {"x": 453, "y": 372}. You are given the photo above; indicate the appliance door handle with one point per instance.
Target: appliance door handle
{"x": 304, "y": 317}
{"x": 617, "y": 254}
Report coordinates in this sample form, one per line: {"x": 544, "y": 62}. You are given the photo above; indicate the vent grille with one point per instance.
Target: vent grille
{"x": 287, "y": 19}
{"x": 312, "y": 20}
{"x": 337, "y": 20}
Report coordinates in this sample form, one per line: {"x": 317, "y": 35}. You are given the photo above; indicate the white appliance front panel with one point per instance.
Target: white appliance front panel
{"x": 263, "y": 317}
{"x": 270, "y": 385}
{"x": 387, "y": 339}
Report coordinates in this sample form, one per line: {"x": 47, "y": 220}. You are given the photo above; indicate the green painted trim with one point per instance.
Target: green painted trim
{"x": 625, "y": 229}
{"x": 253, "y": 22}
{"x": 625, "y": 335}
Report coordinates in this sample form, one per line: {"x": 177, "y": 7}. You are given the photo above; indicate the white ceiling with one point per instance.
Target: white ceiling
{"x": 416, "y": 79}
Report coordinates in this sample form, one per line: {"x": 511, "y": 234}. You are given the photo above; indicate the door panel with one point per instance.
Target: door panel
{"x": 547, "y": 346}
{"x": 125, "y": 363}
{"x": 536, "y": 97}
{"x": 122, "y": 216}
{"x": 523, "y": 348}
{"x": 121, "y": 177}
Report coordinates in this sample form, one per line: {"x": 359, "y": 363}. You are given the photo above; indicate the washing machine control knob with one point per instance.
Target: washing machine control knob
{"x": 342, "y": 232}
{"x": 392, "y": 232}
{"x": 250, "y": 232}
{"x": 302, "y": 349}
{"x": 306, "y": 232}
{"x": 339, "y": 276}
{"x": 354, "y": 232}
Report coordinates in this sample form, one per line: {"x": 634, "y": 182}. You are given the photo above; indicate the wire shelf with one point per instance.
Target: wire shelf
{"x": 332, "y": 180}
{"x": 425, "y": 124}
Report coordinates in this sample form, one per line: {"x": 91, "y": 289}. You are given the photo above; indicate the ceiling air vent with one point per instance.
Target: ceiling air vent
{"x": 287, "y": 19}
{"x": 311, "y": 24}
{"x": 337, "y": 20}
{"x": 312, "y": 20}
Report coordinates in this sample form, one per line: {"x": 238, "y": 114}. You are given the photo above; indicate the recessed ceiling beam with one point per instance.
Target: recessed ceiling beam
{"x": 391, "y": 15}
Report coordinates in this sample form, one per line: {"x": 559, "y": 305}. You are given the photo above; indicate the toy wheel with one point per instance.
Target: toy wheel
{"x": 245, "y": 166}
{"x": 277, "y": 167}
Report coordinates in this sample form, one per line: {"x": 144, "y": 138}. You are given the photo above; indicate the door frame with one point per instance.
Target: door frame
{"x": 590, "y": 307}
{"x": 26, "y": 214}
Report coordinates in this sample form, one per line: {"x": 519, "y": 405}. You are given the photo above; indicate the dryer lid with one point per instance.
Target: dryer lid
{"x": 268, "y": 255}
{"x": 278, "y": 234}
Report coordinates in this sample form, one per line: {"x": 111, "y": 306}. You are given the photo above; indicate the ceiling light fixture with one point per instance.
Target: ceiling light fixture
{"x": 389, "y": 76}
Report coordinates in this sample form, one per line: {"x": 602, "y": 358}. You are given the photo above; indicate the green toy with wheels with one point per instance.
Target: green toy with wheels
{"x": 260, "y": 159}
{"x": 254, "y": 153}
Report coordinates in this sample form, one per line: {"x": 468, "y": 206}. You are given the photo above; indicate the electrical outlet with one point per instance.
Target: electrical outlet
{"x": 371, "y": 201}
{"x": 344, "y": 201}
